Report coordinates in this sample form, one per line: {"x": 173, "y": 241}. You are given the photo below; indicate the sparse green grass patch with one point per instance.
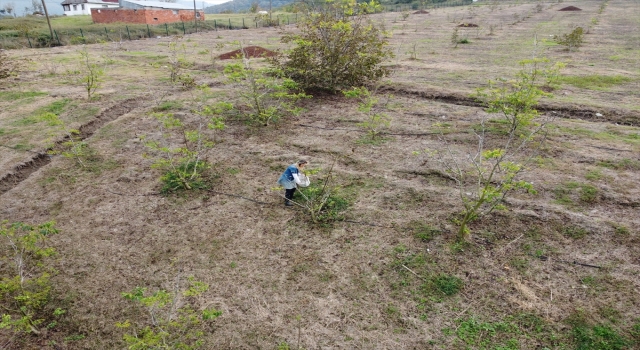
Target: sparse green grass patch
{"x": 570, "y": 193}
{"x": 594, "y": 175}
{"x": 595, "y": 82}
{"x": 445, "y": 284}
{"x": 19, "y": 95}
{"x": 520, "y": 263}
{"x": 596, "y": 336}
{"x": 575, "y": 232}
{"x": 56, "y": 107}
{"x": 423, "y": 231}
{"x": 622, "y": 164}
{"x": 488, "y": 335}
{"x": 167, "y": 106}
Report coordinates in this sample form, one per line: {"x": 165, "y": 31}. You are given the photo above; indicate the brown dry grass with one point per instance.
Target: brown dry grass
{"x": 278, "y": 279}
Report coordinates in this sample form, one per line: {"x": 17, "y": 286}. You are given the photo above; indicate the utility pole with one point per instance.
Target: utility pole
{"x": 195, "y": 14}
{"x": 46, "y": 13}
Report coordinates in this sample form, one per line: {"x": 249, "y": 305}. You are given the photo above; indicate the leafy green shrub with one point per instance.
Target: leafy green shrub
{"x": 572, "y": 40}
{"x": 25, "y": 288}
{"x": 336, "y": 49}
{"x": 173, "y": 321}
{"x": 266, "y": 95}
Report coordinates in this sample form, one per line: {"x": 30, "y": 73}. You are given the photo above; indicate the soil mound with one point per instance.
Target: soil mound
{"x": 249, "y": 51}
{"x": 570, "y": 8}
{"x": 421, "y": 12}
{"x": 467, "y": 25}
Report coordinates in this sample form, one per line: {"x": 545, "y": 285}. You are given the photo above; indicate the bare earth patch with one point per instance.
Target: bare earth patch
{"x": 249, "y": 52}
{"x": 570, "y": 8}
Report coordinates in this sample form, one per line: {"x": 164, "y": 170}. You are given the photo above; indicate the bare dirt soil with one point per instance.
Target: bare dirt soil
{"x": 570, "y": 8}
{"x": 249, "y": 52}
{"x": 556, "y": 269}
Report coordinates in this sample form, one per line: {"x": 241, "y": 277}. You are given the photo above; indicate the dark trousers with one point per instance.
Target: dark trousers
{"x": 288, "y": 193}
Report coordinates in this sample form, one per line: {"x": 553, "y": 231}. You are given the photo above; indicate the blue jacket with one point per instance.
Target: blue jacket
{"x": 286, "y": 179}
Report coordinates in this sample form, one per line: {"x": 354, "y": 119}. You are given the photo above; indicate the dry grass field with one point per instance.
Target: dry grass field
{"x": 559, "y": 269}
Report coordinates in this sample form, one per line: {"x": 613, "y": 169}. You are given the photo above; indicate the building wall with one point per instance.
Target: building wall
{"x": 148, "y": 16}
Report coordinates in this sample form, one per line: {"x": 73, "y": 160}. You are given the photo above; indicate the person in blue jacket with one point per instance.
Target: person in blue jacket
{"x": 290, "y": 178}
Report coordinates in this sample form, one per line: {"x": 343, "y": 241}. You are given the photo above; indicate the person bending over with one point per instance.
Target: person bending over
{"x": 290, "y": 178}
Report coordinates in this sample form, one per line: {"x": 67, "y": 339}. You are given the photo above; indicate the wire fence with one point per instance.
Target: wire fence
{"x": 11, "y": 39}
{"x": 123, "y": 32}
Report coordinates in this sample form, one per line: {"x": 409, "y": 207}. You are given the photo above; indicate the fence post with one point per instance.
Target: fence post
{"x": 230, "y": 24}
{"x": 166, "y": 28}
{"x": 29, "y": 40}
{"x": 148, "y": 31}
{"x": 184, "y": 31}
{"x": 106, "y": 33}
{"x": 81, "y": 33}
{"x": 243, "y": 23}
{"x": 128, "y": 34}
{"x": 215, "y": 25}
{"x": 57, "y": 38}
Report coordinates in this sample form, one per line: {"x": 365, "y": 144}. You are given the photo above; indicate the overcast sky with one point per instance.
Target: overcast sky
{"x": 55, "y": 8}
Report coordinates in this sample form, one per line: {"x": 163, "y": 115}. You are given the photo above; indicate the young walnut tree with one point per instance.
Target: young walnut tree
{"x": 184, "y": 162}
{"x": 375, "y": 122}
{"x": 485, "y": 176}
{"x": 25, "y": 286}
{"x": 265, "y": 96}
{"x": 173, "y": 322}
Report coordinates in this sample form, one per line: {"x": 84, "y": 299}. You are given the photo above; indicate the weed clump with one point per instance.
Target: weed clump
{"x": 572, "y": 40}
{"x": 575, "y": 232}
{"x": 423, "y": 231}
